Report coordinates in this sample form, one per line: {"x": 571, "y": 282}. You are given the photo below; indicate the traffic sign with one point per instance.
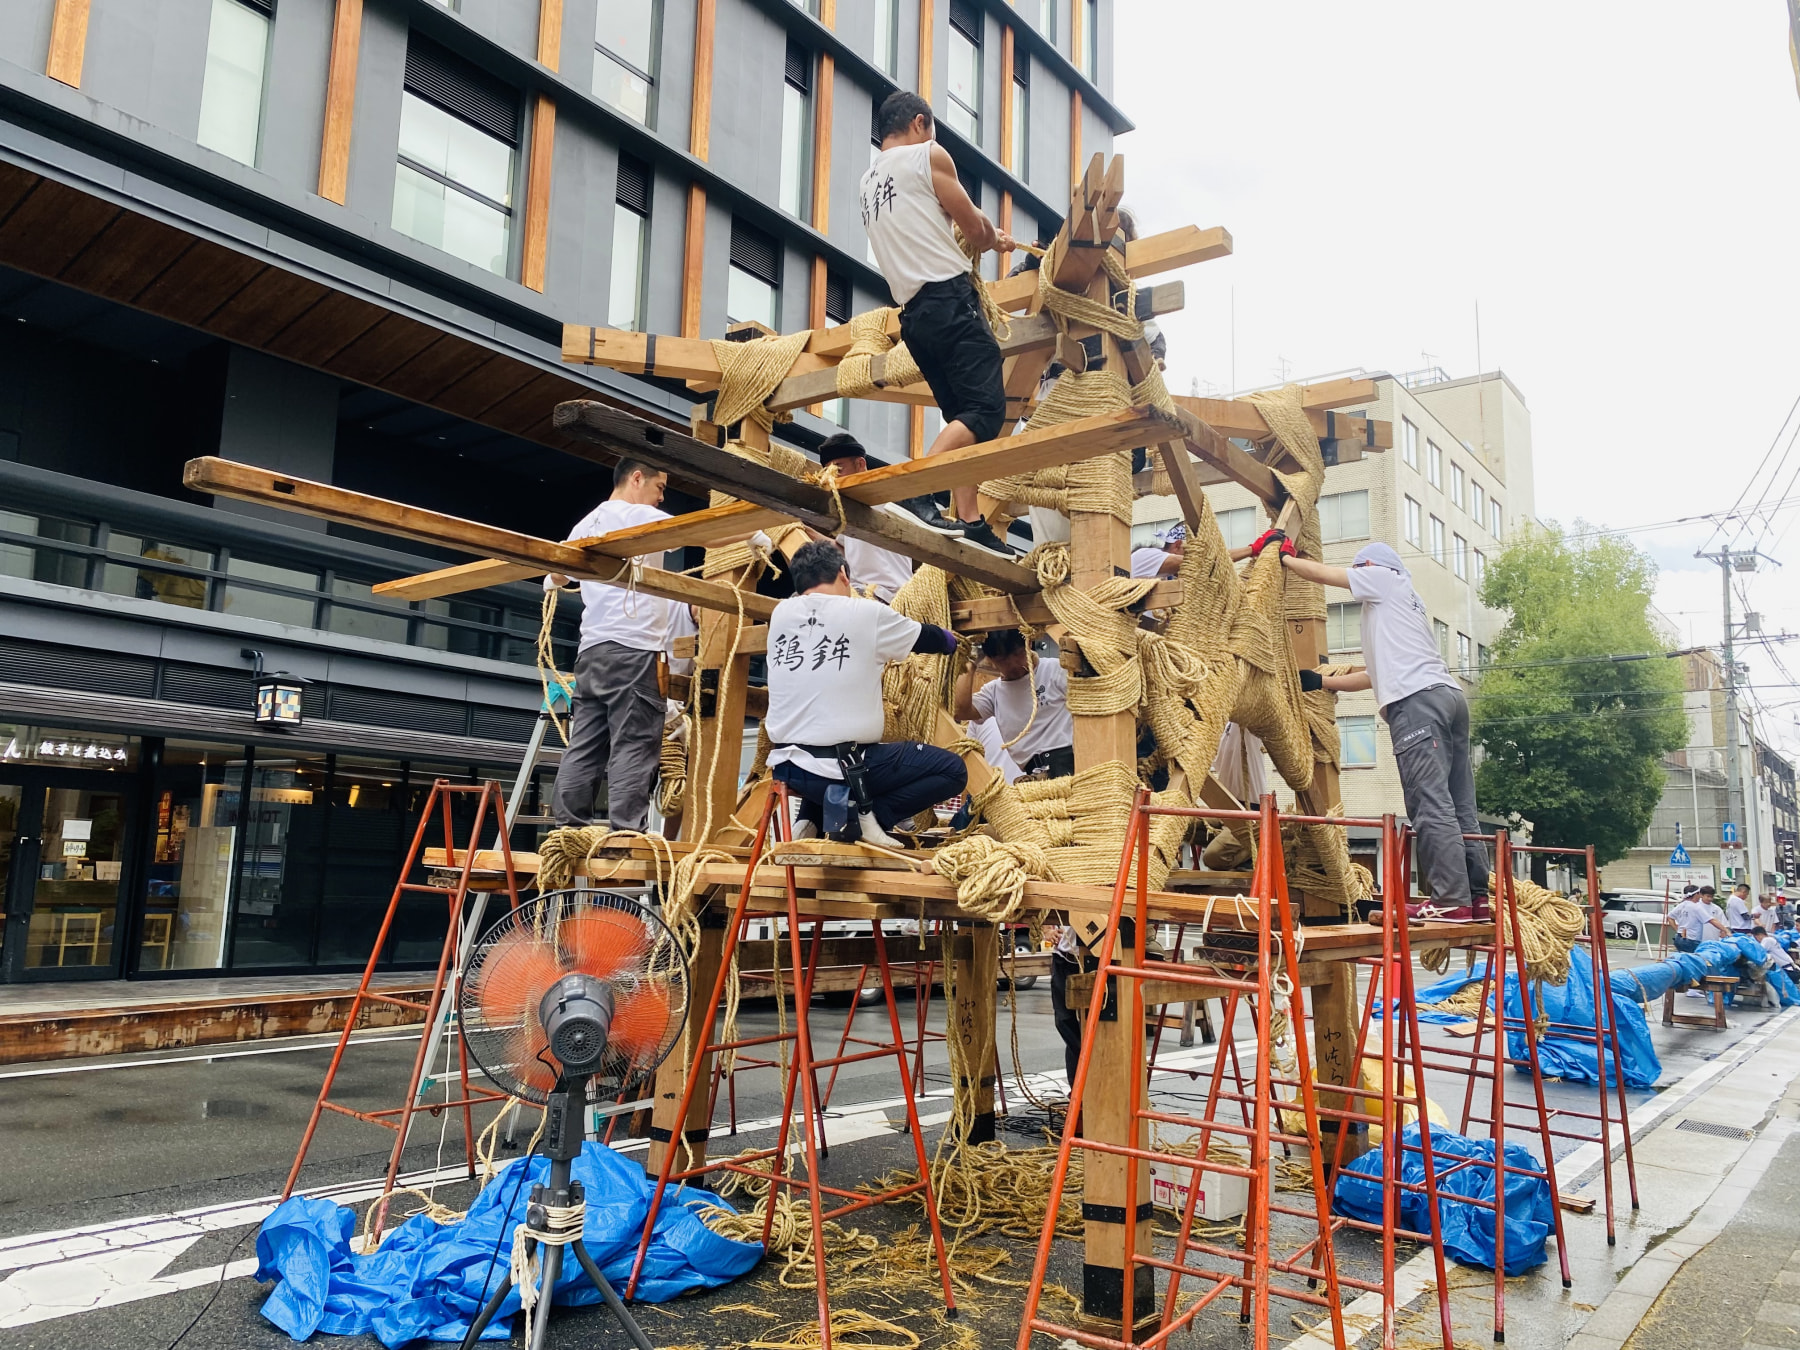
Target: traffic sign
{"x": 1678, "y": 857}
{"x": 1728, "y": 833}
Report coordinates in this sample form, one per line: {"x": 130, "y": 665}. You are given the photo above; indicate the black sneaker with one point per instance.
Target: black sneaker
{"x": 926, "y": 512}
{"x": 980, "y": 534}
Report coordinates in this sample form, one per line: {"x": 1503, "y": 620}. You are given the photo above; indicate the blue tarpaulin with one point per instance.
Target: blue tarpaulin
{"x": 1561, "y": 1054}
{"x": 1736, "y": 956}
{"x": 426, "y": 1280}
{"x": 1468, "y": 1230}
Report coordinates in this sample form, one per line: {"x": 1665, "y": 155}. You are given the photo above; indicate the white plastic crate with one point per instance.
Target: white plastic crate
{"x": 1222, "y": 1196}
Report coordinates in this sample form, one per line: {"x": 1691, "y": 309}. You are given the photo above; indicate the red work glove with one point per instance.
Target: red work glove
{"x": 1287, "y": 547}
{"x": 1268, "y": 537}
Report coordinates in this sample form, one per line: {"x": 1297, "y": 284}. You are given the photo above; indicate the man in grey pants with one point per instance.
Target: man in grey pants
{"x": 1426, "y": 713}
{"x": 617, "y": 725}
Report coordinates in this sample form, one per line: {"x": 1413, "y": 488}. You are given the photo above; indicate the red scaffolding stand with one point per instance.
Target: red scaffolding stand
{"x": 1271, "y": 948}
{"x": 801, "y": 1087}
{"x": 489, "y": 806}
{"x": 1603, "y": 1037}
{"x": 1492, "y": 1063}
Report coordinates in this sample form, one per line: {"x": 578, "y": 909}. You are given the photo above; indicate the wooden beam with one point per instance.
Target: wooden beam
{"x": 824, "y": 87}
{"x": 700, "y": 107}
{"x": 68, "y": 42}
{"x": 1067, "y": 443}
{"x": 693, "y": 261}
{"x": 1239, "y": 417}
{"x": 1233, "y": 461}
{"x": 927, "y": 27}
{"x": 1157, "y": 253}
{"x": 550, "y": 22}
{"x": 246, "y": 482}
{"x": 458, "y": 580}
{"x": 340, "y": 101}
{"x": 1074, "y": 135}
{"x": 537, "y": 192}
{"x": 1006, "y": 611}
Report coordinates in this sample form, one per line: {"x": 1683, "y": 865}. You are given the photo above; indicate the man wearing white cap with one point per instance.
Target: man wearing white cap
{"x": 1163, "y": 561}
{"x": 1426, "y": 713}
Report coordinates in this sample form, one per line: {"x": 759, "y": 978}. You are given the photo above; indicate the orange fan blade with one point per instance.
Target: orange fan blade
{"x": 518, "y": 972}
{"x": 602, "y": 942}
{"x": 640, "y": 1021}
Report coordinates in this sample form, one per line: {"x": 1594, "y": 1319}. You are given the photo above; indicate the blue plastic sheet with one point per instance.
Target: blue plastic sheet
{"x": 426, "y": 1280}
{"x": 1468, "y": 1230}
{"x": 1561, "y": 1052}
{"x": 1736, "y": 956}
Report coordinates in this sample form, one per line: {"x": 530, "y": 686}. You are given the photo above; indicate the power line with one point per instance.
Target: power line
{"x": 1765, "y": 459}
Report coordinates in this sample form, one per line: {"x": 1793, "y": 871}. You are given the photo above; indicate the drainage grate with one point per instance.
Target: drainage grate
{"x": 1717, "y": 1131}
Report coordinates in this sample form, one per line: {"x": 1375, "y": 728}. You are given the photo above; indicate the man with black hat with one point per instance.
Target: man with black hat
{"x": 882, "y": 571}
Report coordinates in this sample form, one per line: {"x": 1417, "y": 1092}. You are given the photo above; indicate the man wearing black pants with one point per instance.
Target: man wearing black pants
{"x": 1426, "y": 713}
{"x": 826, "y": 650}
{"x": 911, "y": 197}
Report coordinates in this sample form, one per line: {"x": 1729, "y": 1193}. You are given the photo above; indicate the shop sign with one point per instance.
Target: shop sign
{"x": 61, "y": 752}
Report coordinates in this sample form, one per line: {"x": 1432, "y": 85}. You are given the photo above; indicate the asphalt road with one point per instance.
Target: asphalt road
{"x": 124, "y": 1144}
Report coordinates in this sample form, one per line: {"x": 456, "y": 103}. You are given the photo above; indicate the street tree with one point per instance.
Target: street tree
{"x": 1576, "y": 705}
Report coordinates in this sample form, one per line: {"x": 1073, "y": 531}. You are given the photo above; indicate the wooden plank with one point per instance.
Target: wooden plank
{"x": 1239, "y": 417}
{"x": 927, "y": 30}
{"x": 693, "y": 239}
{"x": 549, "y": 44}
{"x": 270, "y": 302}
{"x": 700, "y": 106}
{"x": 127, "y": 256}
{"x": 52, "y": 226}
{"x": 1007, "y": 611}
{"x": 325, "y": 329}
{"x": 490, "y": 383}
{"x": 425, "y": 376}
{"x": 972, "y": 1021}
{"x": 1067, "y": 443}
{"x": 1234, "y": 462}
{"x": 537, "y": 181}
{"x": 824, "y": 89}
{"x": 671, "y": 1075}
{"x": 1155, "y": 254}
{"x": 68, "y": 42}
{"x": 248, "y": 483}
{"x": 340, "y": 101}
{"x": 458, "y": 580}
{"x": 382, "y": 350}
{"x": 205, "y": 277}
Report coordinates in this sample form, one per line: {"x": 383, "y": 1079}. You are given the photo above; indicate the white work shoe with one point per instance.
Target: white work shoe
{"x": 871, "y": 833}
{"x": 805, "y": 829}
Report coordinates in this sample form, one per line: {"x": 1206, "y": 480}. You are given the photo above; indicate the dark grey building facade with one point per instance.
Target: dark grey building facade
{"x": 339, "y": 238}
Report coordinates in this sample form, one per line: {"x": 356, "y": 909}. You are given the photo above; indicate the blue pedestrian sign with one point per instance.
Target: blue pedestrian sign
{"x": 1679, "y": 857}
{"x": 1728, "y": 833}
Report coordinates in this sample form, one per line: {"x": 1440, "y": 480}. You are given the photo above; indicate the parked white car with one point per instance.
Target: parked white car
{"x": 1620, "y": 911}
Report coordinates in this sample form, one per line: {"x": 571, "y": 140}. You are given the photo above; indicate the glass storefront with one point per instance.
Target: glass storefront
{"x": 128, "y": 857}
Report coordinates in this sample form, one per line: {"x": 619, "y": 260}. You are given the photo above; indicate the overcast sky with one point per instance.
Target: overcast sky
{"x": 1617, "y": 186}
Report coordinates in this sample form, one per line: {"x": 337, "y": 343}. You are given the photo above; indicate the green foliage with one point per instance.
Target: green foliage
{"x": 1575, "y": 745}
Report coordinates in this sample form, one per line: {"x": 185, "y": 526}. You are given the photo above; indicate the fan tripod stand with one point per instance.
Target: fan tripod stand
{"x": 563, "y": 1194}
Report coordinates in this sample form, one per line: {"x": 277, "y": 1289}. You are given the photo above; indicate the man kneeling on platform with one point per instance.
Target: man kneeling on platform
{"x": 827, "y": 647}
{"x": 1029, "y": 704}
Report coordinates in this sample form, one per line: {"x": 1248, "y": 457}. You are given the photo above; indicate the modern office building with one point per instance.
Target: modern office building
{"x": 339, "y": 238}
{"x": 1457, "y": 479}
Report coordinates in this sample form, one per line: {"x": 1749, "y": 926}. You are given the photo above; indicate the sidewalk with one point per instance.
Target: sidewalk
{"x": 1720, "y": 1177}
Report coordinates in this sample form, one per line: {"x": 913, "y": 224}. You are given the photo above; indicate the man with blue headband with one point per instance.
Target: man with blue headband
{"x": 1426, "y": 713}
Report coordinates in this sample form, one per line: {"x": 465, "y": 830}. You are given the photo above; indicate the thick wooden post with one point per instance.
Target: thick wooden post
{"x": 977, "y": 976}
{"x": 1100, "y": 548}
{"x": 671, "y": 1076}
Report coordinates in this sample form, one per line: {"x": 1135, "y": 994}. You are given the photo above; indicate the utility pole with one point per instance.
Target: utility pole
{"x": 1729, "y": 562}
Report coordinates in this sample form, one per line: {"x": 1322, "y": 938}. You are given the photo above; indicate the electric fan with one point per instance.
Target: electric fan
{"x": 576, "y": 994}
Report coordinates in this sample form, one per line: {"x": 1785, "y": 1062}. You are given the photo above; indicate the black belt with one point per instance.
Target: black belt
{"x": 818, "y": 751}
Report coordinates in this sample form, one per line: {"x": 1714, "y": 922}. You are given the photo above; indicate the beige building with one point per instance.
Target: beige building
{"x": 1456, "y": 483}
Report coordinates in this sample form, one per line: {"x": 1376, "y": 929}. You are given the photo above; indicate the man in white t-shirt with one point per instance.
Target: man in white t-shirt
{"x": 826, "y": 650}
{"x": 1697, "y": 919}
{"x": 1737, "y": 910}
{"x": 617, "y": 725}
{"x": 1151, "y": 561}
{"x": 1029, "y": 703}
{"x": 1426, "y": 713}
{"x": 911, "y": 198}
{"x": 883, "y": 571}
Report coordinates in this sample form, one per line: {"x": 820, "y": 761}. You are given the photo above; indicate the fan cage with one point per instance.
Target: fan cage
{"x": 618, "y": 938}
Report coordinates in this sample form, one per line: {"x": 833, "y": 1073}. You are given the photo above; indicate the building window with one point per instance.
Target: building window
{"x": 1087, "y": 19}
{"x": 1477, "y": 502}
{"x": 1409, "y": 443}
{"x": 1498, "y": 518}
{"x": 1238, "y": 527}
{"x": 1441, "y": 631}
{"x": 1343, "y": 627}
{"x": 1456, "y": 483}
{"x": 1413, "y": 522}
{"x": 837, "y": 311}
{"x": 1437, "y": 540}
{"x": 796, "y": 132}
{"x": 1481, "y": 655}
{"x": 1465, "y": 656}
{"x": 753, "y": 291}
{"x": 887, "y": 35}
{"x": 963, "y": 110}
{"x": 1434, "y": 464}
{"x": 1459, "y": 556}
{"x": 231, "y": 94}
{"x": 626, "y": 38}
{"x": 22, "y": 559}
{"x": 1344, "y": 515}
{"x": 1356, "y": 742}
{"x": 1480, "y": 567}
{"x": 630, "y": 245}
{"x": 459, "y": 129}
{"x": 1021, "y": 117}
{"x": 1041, "y": 15}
